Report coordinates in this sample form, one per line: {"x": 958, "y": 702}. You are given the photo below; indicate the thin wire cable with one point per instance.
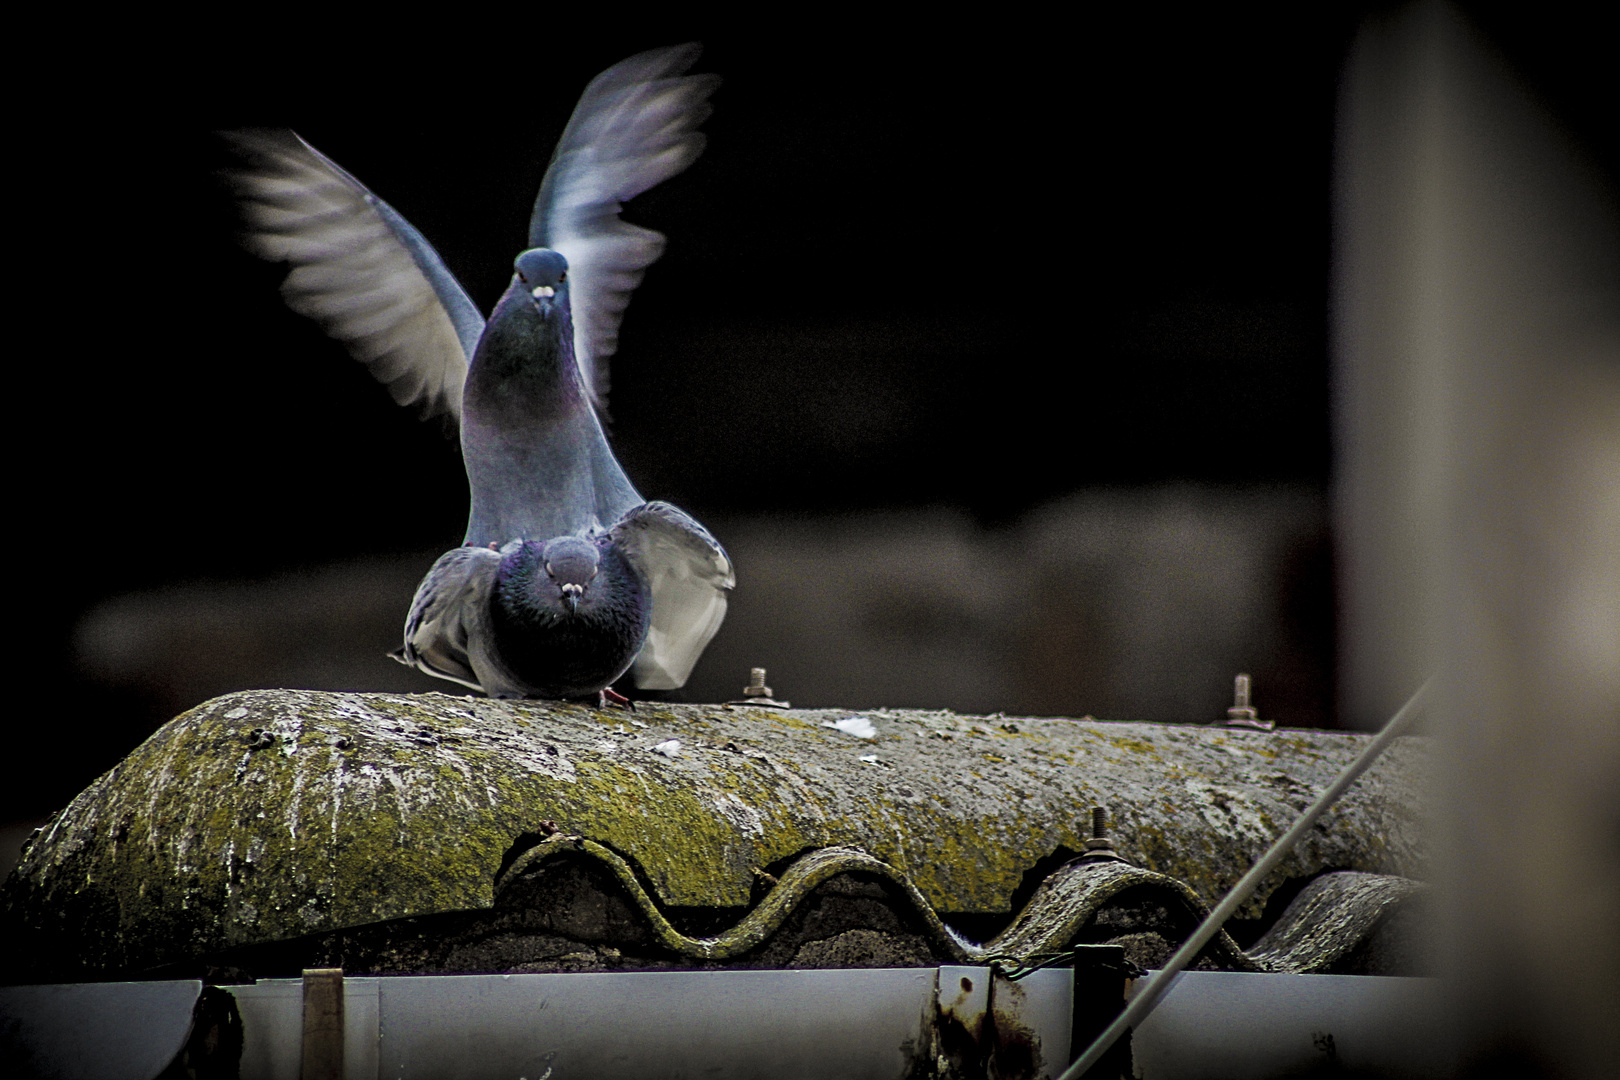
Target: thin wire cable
{"x": 1148, "y": 997}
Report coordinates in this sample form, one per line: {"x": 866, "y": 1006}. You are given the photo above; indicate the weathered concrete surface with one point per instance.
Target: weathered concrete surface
{"x": 271, "y": 814}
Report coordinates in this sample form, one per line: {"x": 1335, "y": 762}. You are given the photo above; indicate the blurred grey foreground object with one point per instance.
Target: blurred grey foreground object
{"x": 1477, "y": 374}
{"x": 295, "y": 820}
{"x": 95, "y": 1031}
{"x": 568, "y": 577}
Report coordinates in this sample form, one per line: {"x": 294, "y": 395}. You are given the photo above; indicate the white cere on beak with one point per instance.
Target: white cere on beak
{"x": 543, "y": 290}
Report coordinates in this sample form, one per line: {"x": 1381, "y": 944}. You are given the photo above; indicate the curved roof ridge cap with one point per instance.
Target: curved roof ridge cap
{"x": 355, "y": 808}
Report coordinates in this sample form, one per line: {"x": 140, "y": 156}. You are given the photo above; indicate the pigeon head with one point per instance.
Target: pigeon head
{"x": 571, "y": 564}
{"x": 543, "y": 274}
{"x": 565, "y": 617}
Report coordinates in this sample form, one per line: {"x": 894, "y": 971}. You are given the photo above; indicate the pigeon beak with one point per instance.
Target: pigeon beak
{"x": 570, "y": 596}
{"x": 543, "y": 291}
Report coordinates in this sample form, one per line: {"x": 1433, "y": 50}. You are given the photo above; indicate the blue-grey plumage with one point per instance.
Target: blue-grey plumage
{"x": 501, "y": 621}
{"x": 526, "y": 388}
{"x": 538, "y": 462}
{"x": 568, "y": 616}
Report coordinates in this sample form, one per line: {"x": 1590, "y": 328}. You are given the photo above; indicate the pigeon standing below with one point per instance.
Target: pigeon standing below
{"x": 567, "y": 577}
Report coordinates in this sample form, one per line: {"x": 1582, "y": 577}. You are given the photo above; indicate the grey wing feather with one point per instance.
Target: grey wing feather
{"x": 634, "y": 127}
{"x": 359, "y": 269}
{"x": 445, "y": 630}
{"x": 689, "y": 574}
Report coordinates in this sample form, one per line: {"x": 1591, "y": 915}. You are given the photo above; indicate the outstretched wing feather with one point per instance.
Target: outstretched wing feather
{"x": 634, "y": 127}
{"x": 358, "y": 268}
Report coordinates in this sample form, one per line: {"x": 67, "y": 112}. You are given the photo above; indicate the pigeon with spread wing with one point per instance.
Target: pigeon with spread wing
{"x": 567, "y": 578}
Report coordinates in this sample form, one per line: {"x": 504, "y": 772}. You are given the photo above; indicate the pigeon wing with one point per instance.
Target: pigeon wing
{"x": 689, "y": 574}
{"x": 447, "y": 622}
{"x": 359, "y": 269}
{"x": 634, "y": 127}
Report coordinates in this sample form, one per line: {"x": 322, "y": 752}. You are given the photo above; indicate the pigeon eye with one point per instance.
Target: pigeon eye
{"x": 562, "y": 277}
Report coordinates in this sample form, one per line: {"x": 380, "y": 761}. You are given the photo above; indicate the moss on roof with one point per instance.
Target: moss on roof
{"x": 265, "y": 815}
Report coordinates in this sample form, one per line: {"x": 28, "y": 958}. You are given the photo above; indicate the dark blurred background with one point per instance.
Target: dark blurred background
{"x": 996, "y": 354}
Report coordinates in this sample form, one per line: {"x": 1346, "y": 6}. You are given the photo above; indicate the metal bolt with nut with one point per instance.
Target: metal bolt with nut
{"x": 756, "y": 692}
{"x": 1099, "y": 848}
{"x": 1242, "y": 713}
